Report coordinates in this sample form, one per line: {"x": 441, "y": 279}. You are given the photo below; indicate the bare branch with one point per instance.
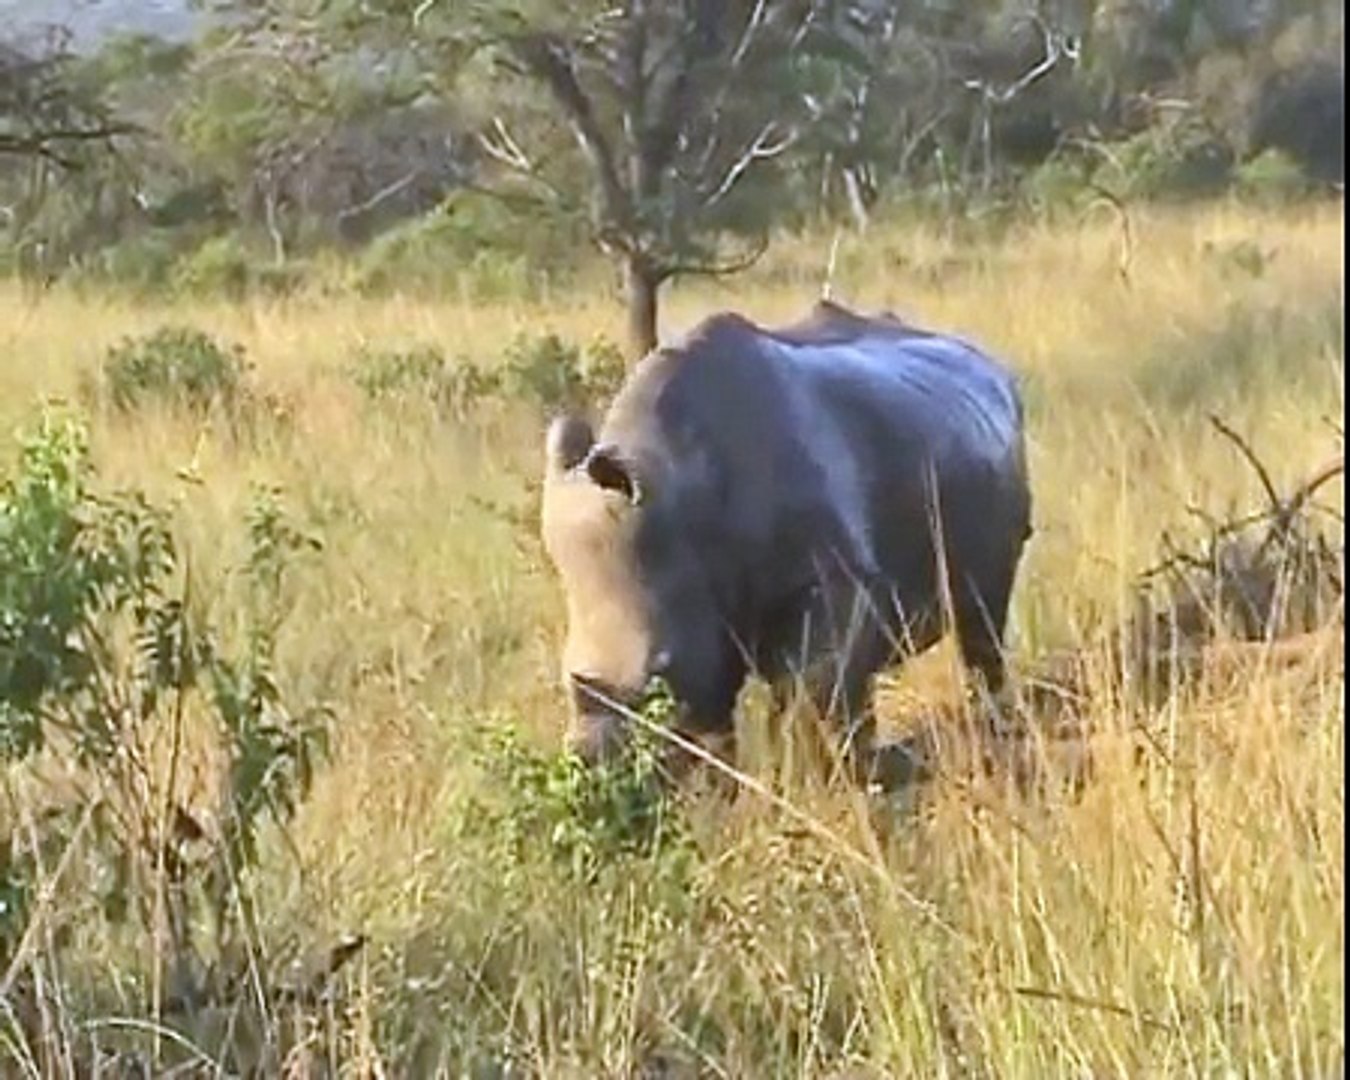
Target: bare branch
{"x": 1048, "y": 61}
{"x": 752, "y": 26}
{"x": 383, "y": 195}
{"x": 547, "y": 59}
{"x": 47, "y": 144}
{"x": 1276, "y": 503}
{"x": 1324, "y": 475}
{"x": 764, "y": 147}
{"x": 1097, "y": 1004}
{"x": 733, "y": 68}
{"x": 827, "y": 286}
{"x": 420, "y": 12}
{"x": 504, "y": 148}
{"x": 1054, "y": 47}
{"x": 1117, "y": 204}
{"x": 717, "y": 269}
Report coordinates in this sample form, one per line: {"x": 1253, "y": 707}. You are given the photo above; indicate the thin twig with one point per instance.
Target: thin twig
{"x": 1116, "y": 203}
{"x": 1244, "y": 447}
{"x": 162, "y": 915}
{"x": 827, "y": 287}
{"x": 129, "y": 1023}
{"x": 44, "y": 901}
{"x": 1065, "y": 997}
{"x": 1304, "y": 494}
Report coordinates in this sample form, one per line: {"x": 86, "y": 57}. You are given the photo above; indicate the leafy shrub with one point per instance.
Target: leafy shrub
{"x": 584, "y": 817}
{"x": 176, "y": 365}
{"x": 473, "y": 243}
{"x": 1271, "y": 177}
{"x": 220, "y": 266}
{"x": 421, "y": 372}
{"x": 226, "y": 266}
{"x": 104, "y": 664}
{"x": 385, "y": 372}
{"x": 1060, "y": 182}
{"x": 1180, "y": 160}
{"x": 557, "y": 373}
{"x": 544, "y": 370}
{"x": 142, "y": 264}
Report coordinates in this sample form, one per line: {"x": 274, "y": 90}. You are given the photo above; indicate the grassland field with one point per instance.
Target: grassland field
{"x": 993, "y": 934}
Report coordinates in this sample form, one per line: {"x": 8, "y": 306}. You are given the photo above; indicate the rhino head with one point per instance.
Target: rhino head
{"x": 640, "y": 591}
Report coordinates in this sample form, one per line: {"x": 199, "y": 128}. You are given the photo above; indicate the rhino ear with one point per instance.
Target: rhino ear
{"x": 608, "y": 469}
{"x": 568, "y": 442}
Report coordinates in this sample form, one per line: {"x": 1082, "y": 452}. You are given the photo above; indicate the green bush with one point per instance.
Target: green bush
{"x": 544, "y": 370}
{"x": 227, "y": 266}
{"x": 475, "y": 244}
{"x": 219, "y": 267}
{"x": 1061, "y": 182}
{"x": 141, "y": 264}
{"x": 175, "y": 365}
{"x": 105, "y": 660}
{"x": 557, "y": 373}
{"x": 1273, "y": 176}
{"x": 386, "y": 372}
{"x": 584, "y": 818}
{"x": 1181, "y": 160}
{"x": 423, "y": 373}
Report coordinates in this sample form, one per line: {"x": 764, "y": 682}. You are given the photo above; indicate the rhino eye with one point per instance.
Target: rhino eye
{"x": 609, "y": 470}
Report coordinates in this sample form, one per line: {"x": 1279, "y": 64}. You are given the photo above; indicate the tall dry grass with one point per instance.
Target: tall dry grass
{"x": 1183, "y": 916}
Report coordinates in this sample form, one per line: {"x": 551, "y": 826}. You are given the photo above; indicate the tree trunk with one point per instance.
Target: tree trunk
{"x": 643, "y": 285}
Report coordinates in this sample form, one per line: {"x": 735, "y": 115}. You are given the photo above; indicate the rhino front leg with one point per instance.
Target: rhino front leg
{"x": 844, "y": 644}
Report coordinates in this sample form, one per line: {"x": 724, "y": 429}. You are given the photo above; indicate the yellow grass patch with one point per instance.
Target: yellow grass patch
{"x": 1181, "y": 917}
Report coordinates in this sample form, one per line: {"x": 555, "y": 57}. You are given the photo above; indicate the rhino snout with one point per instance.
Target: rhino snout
{"x": 597, "y": 730}
{"x": 601, "y": 712}
{"x": 595, "y": 740}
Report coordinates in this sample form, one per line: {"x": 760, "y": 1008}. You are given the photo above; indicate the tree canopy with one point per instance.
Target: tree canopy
{"x": 675, "y": 135}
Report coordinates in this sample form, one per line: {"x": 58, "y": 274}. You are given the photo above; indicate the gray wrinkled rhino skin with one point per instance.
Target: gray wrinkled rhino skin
{"x": 802, "y": 504}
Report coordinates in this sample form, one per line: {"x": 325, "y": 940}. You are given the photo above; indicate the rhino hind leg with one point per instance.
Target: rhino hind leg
{"x": 980, "y": 612}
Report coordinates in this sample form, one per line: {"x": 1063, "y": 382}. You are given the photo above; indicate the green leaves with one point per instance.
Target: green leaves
{"x": 65, "y": 557}
{"x": 176, "y": 365}
{"x": 104, "y": 659}
{"x": 586, "y": 818}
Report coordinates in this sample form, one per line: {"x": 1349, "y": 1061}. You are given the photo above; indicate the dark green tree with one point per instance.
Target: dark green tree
{"x": 663, "y": 121}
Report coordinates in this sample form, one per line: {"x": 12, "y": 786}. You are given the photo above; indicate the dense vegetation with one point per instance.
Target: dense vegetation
{"x": 288, "y": 306}
{"x": 395, "y": 145}
{"x": 278, "y": 657}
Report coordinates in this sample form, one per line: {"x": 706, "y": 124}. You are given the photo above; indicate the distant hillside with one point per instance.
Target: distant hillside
{"x": 93, "y": 21}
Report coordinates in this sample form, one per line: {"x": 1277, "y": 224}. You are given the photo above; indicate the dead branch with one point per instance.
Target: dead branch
{"x": 718, "y": 269}
{"x": 48, "y": 144}
{"x": 1083, "y": 1002}
{"x": 501, "y": 147}
{"x": 549, "y": 61}
{"x": 1122, "y": 212}
{"x": 752, "y": 26}
{"x": 1276, "y": 504}
{"x": 1054, "y": 46}
{"x": 1308, "y": 489}
{"x": 383, "y": 195}
{"x": 827, "y": 286}
{"x": 762, "y": 148}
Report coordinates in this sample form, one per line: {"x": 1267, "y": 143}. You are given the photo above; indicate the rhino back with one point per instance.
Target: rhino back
{"x": 789, "y": 444}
